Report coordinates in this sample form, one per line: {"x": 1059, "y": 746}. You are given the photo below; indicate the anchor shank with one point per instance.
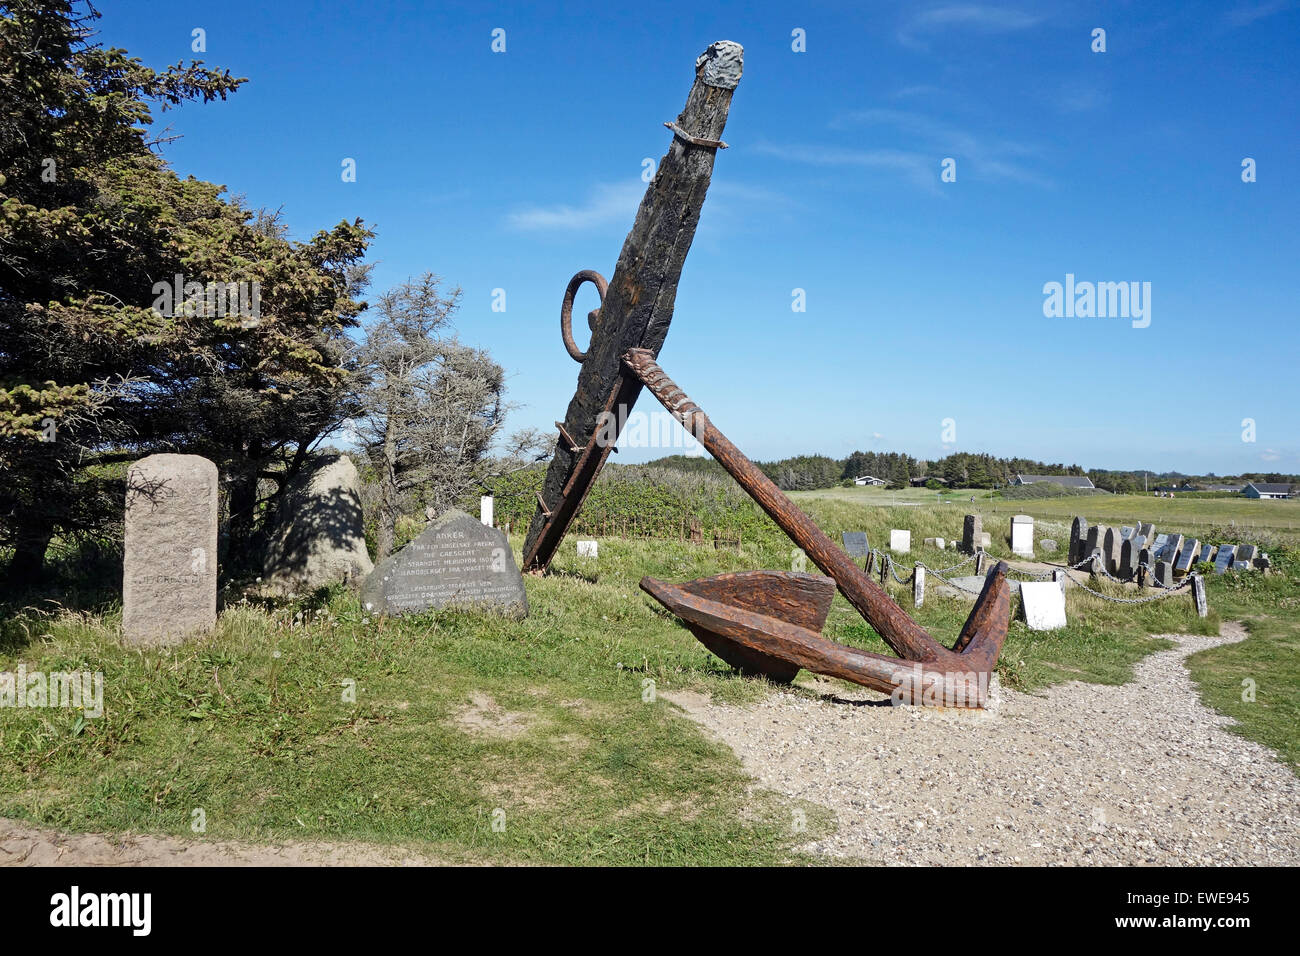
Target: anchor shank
{"x": 907, "y": 638}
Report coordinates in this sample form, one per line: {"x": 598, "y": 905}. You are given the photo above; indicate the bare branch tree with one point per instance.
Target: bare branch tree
{"x": 432, "y": 407}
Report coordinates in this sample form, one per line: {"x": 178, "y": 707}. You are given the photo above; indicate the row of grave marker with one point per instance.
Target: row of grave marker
{"x": 1122, "y": 552}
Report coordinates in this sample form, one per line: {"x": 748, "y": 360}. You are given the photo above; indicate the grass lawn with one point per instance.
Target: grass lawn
{"x": 549, "y": 720}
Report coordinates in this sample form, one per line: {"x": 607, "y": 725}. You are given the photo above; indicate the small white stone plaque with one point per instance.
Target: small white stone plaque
{"x": 900, "y": 541}
{"x": 1044, "y": 603}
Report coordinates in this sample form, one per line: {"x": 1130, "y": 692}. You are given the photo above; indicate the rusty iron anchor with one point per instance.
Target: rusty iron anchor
{"x": 768, "y": 622}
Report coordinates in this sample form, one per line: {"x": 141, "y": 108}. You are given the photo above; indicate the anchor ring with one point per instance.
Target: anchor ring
{"x": 566, "y": 310}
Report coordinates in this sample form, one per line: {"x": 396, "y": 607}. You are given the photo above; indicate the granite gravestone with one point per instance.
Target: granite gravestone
{"x": 1164, "y": 574}
{"x": 457, "y": 561}
{"x": 1128, "y": 559}
{"x": 1110, "y": 550}
{"x": 1187, "y": 556}
{"x": 1158, "y": 548}
{"x": 1078, "y": 540}
{"x": 169, "y": 570}
{"x": 1173, "y": 548}
{"x": 855, "y": 543}
{"x": 1207, "y": 550}
{"x": 1147, "y": 530}
{"x": 1246, "y": 553}
{"x": 1096, "y": 538}
{"x": 971, "y": 530}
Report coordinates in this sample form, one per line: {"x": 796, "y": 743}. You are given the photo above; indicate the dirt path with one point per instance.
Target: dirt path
{"x": 22, "y": 844}
{"x": 1085, "y": 774}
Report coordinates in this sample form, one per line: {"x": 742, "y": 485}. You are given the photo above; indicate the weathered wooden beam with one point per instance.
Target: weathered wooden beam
{"x": 638, "y": 305}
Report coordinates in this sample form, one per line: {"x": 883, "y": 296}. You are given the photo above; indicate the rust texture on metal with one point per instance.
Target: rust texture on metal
{"x": 637, "y": 305}
{"x": 793, "y": 642}
{"x": 802, "y": 599}
{"x": 566, "y": 311}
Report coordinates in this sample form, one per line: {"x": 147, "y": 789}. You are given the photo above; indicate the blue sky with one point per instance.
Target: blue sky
{"x": 924, "y": 298}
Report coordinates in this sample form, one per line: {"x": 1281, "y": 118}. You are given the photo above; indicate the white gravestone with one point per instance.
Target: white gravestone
{"x": 1044, "y": 603}
{"x": 1022, "y": 535}
{"x": 900, "y": 541}
{"x": 485, "y": 510}
{"x": 588, "y": 549}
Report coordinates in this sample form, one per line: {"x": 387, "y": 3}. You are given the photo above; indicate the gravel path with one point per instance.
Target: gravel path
{"x": 1085, "y": 774}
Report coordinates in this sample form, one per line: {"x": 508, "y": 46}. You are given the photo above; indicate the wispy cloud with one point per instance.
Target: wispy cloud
{"x": 920, "y": 169}
{"x": 970, "y": 17}
{"x": 1243, "y": 15}
{"x": 989, "y": 158}
{"x": 615, "y": 204}
{"x": 1081, "y": 99}
{"x": 606, "y": 204}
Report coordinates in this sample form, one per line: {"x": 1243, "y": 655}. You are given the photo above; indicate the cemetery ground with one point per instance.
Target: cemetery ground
{"x": 596, "y": 730}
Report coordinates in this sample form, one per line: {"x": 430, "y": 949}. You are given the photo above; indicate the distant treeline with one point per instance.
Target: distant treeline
{"x": 960, "y": 470}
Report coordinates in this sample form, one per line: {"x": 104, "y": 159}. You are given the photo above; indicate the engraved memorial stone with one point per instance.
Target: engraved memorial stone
{"x": 457, "y": 561}
{"x": 855, "y": 543}
{"x": 169, "y": 570}
{"x": 971, "y": 529}
{"x": 1022, "y": 535}
{"x": 1187, "y": 556}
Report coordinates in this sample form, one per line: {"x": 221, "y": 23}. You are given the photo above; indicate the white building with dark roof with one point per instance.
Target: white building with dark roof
{"x": 1267, "y": 489}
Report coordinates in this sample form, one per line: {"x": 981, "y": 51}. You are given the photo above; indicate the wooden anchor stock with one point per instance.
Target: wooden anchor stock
{"x": 637, "y": 305}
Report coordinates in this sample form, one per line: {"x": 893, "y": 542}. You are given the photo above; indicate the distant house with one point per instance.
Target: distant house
{"x": 1267, "y": 489}
{"x": 1065, "y": 481}
{"x": 870, "y": 480}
